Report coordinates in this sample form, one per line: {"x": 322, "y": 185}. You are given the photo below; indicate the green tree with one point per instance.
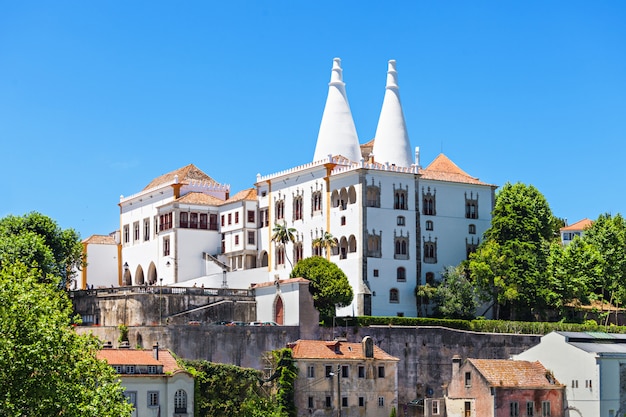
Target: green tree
{"x": 288, "y": 372}
{"x": 329, "y": 284}
{"x": 455, "y": 297}
{"x": 38, "y": 242}
{"x": 47, "y": 369}
{"x": 228, "y": 390}
{"x": 283, "y": 235}
{"x": 608, "y": 236}
{"x": 510, "y": 264}
{"x": 327, "y": 241}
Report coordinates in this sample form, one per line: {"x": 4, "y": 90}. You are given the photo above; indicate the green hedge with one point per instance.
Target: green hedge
{"x": 488, "y": 326}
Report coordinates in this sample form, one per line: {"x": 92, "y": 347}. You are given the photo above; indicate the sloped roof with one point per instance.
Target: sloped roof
{"x": 320, "y": 349}
{"x": 195, "y": 197}
{"x": 100, "y": 240}
{"x": 248, "y": 194}
{"x": 139, "y": 357}
{"x": 579, "y": 225}
{"x": 509, "y": 373}
{"x": 443, "y": 169}
{"x": 185, "y": 174}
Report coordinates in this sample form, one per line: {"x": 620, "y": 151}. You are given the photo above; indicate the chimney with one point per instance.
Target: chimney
{"x": 155, "y": 350}
{"x": 368, "y": 347}
{"x": 456, "y": 364}
{"x": 107, "y": 345}
{"x": 124, "y": 345}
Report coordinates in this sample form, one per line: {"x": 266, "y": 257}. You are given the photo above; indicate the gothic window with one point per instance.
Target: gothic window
{"x": 430, "y": 252}
{"x": 401, "y": 274}
{"x": 280, "y": 255}
{"x": 316, "y": 201}
{"x": 297, "y": 208}
{"x": 471, "y": 206}
{"x": 394, "y": 296}
{"x": 429, "y": 225}
{"x": 401, "y": 247}
{"x": 280, "y": 209}
{"x": 297, "y": 252}
{"x": 372, "y": 196}
{"x": 343, "y": 198}
{"x": 373, "y": 245}
{"x": 400, "y": 200}
{"x": 429, "y": 202}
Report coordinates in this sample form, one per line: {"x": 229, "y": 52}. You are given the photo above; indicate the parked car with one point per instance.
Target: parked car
{"x": 256, "y": 323}
{"x": 270, "y": 323}
{"x": 236, "y": 323}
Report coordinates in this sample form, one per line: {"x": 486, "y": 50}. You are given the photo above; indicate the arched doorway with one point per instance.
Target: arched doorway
{"x": 152, "y": 274}
{"x": 264, "y": 258}
{"x": 279, "y": 311}
{"x": 127, "y": 279}
{"x": 139, "y": 279}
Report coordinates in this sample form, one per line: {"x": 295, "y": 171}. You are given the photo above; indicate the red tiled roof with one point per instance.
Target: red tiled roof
{"x": 195, "y": 197}
{"x": 100, "y": 240}
{"x": 320, "y": 349}
{"x": 248, "y": 194}
{"x": 579, "y": 225}
{"x": 443, "y": 169}
{"x": 510, "y": 373}
{"x": 185, "y": 174}
{"x": 139, "y": 357}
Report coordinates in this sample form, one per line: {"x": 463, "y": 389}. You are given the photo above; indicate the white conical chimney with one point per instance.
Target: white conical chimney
{"x": 392, "y": 143}
{"x": 337, "y": 135}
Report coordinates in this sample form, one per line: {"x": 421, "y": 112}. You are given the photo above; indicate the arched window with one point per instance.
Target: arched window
{"x": 297, "y": 252}
{"x": 352, "y": 244}
{"x": 401, "y": 248}
{"x": 428, "y": 202}
{"x": 401, "y": 274}
{"x": 317, "y": 201}
{"x": 280, "y": 255}
{"x": 351, "y": 195}
{"x": 373, "y": 196}
{"x": 394, "y": 296}
{"x": 280, "y": 209}
{"x": 297, "y": 208}
{"x": 180, "y": 402}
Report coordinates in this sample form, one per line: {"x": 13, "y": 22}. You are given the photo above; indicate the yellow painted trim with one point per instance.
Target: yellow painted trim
{"x": 270, "y": 223}
{"x": 83, "y": 272}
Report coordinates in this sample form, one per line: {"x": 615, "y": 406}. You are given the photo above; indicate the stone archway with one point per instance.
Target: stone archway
{"x": 152, "y": 274}
{"x": 264, "y": 258}
{"x": 127, "y": 279}
{"x": 139, "y": 279}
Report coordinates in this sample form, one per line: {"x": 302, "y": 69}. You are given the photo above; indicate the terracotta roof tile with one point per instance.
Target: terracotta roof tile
{"x": 100, "y": 240}
{"x": 579, "y": 225}
{"x": 248, "y": 194}
{"x": 320, "y": 349}
{"x": 185, "y": 174}
{"x": 200, "y": 198}
{"x": 139, "y": 357}
{"x": 509, "y": 373}
{"x": 443, "y": 169}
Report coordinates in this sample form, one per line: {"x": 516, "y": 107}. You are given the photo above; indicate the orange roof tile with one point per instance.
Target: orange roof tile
{"x": 100, "y": 240}
{"x": 185, "y": 174}
{"x": 200, "y": 198}
{"x": 443, "y": 169}
{"x": 248, "y": 194}
{"x": 579, "y": 225}
{"x": 320, "y": 349}
{"x": 139, "y": 357}
{"x": 510, "y": 373}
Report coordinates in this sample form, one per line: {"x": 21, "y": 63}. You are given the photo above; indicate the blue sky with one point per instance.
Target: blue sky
{"x": 98, "y": 98}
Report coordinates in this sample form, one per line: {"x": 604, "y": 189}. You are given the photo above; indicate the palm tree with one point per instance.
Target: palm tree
{"x": 327, "y": 241}
{"x": 283, "y": 234}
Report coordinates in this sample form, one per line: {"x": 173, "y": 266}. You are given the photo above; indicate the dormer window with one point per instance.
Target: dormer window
{"x": 130, "y": 369}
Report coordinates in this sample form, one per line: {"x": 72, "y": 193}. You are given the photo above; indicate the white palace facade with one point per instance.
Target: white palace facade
{"x": 396, "y": 225}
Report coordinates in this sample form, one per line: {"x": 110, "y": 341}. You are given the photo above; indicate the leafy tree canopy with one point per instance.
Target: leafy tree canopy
{"x": 38, "y": 242}
{"x": 228, "y": 390}
{"x": 329, "y": 284}
{"x": 455, "y": 297}
{"x": 47, "y": 369}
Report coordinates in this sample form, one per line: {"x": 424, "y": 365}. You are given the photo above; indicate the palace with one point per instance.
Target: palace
{"x": 395, "y": 225}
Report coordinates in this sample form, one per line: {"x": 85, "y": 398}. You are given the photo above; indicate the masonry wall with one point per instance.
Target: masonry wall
{"x": 425, "y": 353}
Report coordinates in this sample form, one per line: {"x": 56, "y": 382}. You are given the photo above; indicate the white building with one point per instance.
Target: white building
{"x": 591, "y": 365}
{"x": 155, "y": 384}
{"x": 396, "y": 224}
{"x": 568, "y": 233}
